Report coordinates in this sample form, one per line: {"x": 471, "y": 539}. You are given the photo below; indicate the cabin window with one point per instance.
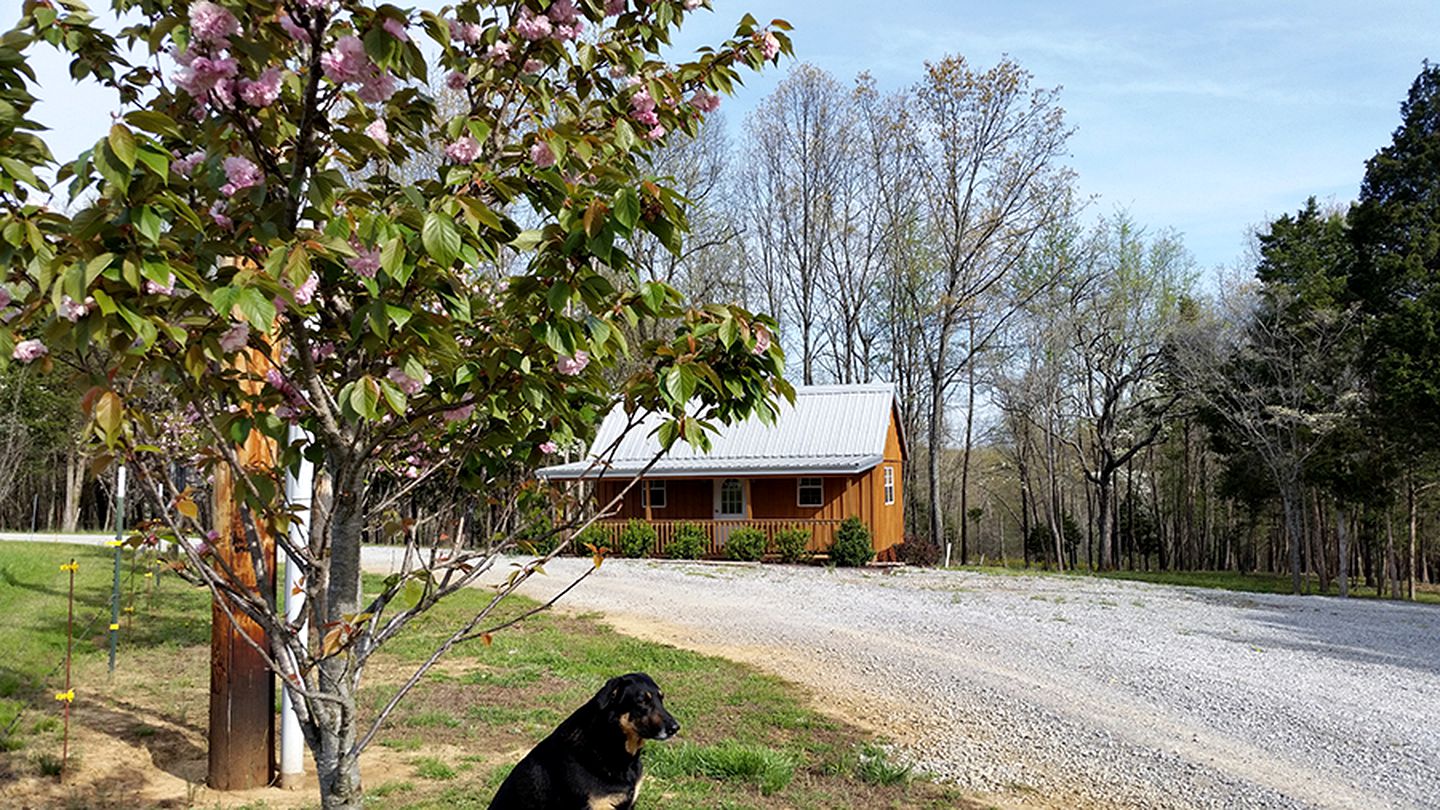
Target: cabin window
{"x": 810, "y": 492}
{"x": 889, "y": 485}
{"x": 732, "y": 497}
{"x": 655, "y": 494}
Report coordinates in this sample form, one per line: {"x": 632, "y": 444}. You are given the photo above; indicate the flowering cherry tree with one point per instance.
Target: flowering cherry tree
{"x": 245, "y": 244}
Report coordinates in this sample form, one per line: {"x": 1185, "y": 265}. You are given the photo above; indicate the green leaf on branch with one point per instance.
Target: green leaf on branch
{"x": 627, "y": 207}
{"x": 441, "y": 238}
{"x": 122, "y": 143}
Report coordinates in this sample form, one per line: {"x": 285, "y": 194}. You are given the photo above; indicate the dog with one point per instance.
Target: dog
{"x": 591, "y": 761}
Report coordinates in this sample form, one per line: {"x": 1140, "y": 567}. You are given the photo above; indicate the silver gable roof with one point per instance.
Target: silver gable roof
{"x": 830, "y": 430}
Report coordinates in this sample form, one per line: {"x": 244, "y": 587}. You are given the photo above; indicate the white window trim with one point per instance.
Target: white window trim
{"x": 889, "y": 486}
{"x": 664, "y": 495}
{"x": 800, "y": 486}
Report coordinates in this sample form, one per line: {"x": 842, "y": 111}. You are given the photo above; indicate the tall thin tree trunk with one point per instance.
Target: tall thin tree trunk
{"x": 1391, "y": 564}
{"x": 936, "y": 425}
{"x": 1342, "y": 528}
{"x": 965, "y": 468}
{"x": 1293, "y": 529}
{"x": 1414, "y": 518}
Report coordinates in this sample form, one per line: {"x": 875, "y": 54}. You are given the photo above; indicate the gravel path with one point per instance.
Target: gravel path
{"x": 1058, "y": 692}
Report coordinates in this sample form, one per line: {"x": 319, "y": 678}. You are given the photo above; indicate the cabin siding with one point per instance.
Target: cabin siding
{"x": 774, "y": 497}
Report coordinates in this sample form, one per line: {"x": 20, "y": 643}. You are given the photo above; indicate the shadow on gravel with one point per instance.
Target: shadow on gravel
{"x": 1392, "y": 635}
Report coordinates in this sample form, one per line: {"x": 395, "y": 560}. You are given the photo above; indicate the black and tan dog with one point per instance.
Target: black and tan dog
{"x": 592, "y": 760}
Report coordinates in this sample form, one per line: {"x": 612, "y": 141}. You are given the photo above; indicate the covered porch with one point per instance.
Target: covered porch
{"x": 822, "y": 532}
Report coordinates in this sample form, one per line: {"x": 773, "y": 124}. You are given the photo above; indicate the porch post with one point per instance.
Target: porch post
{"x": 749, "y": 514}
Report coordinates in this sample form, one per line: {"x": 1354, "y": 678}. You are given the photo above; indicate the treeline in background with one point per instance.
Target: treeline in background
{"x": 1074, "y": 391}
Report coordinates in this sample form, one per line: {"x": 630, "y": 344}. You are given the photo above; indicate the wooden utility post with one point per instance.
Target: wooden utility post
{"x": 242, "y": 690}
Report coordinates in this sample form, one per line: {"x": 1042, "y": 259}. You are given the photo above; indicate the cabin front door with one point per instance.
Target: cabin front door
{"x": 729, "y": 506}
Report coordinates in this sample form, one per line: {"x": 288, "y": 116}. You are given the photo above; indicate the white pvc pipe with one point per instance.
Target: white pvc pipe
{"x": 299, "y": 489}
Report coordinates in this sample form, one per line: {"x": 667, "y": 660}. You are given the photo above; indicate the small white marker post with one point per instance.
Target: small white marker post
{"x": 115, "y": 584}
{"x": 298, "y": 491}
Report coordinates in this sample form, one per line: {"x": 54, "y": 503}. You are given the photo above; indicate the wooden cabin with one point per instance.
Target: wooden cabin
{"x": 837, "y": 452}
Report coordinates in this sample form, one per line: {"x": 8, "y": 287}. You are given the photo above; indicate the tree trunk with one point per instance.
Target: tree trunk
{"x": 338, "y": 772}
{"x": 336, "y": 763}
{"x": 1410, "y": 566}
{"x": 936, "y": 430}
{"x": 965, "y": 469}
{"x": 1102, "y": 521}
{"x": 1342, "y": 528}
{"x": 1289, "y": 501}
{"x": 1391, "y": 572}
{"x": 74, "y": 481}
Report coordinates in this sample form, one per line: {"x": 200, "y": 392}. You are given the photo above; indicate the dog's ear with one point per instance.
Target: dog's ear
{"x": 610, "y": 693}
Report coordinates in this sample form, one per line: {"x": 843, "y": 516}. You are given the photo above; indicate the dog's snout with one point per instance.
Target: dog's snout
{"x": 670, "y": 727}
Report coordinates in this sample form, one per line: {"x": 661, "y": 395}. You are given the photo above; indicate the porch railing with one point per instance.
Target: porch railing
{"x": 822, "y": 532}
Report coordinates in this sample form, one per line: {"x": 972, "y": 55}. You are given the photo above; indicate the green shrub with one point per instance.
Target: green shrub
{"x": 792, "y": 544}
{"x": 852, "y": 544}
{"x": 637, "y": 539}
{"x": 745, "y": 543}
{"x": 594, "y": 535}
{"x": 689, "y": 543}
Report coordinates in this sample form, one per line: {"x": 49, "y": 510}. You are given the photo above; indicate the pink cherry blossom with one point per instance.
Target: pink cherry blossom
{"x": 217, "y": 213}
{"x": 655, "y": 133}
{"x": 549, "y": 448}
{"x": 4, "y": 298}
{"x": 562, "y": 12}
{"x": 769, "y": 45}
{"x": 468, "y": 33}
{"x": 28, "y": 351}
{"x": 235, "y": 338}
{"x": 614, "y": 8}
{"x": 212, "y": 24}
{"x": 567, "y": 33}
{"x": 305, "y": 293}
{"x": 325, "y": 350}
{"x": 291, "y": 29}
{"x": 72, "y": 310}
{"x": 168, "y": 288}
{"x": 378, "y": 86}
{"x": 366, "y": 262}
{"x": 533, "y": 66}
{"x": 459, "y": 414}
{"x": 464, "y": 150}
{"x": 642, "y": 108}
{"x": 395, "y": 28}
{"x": 241, "y": 174}
{"x": 691, "y": 5}
{"x": 499, "y": 52}
{"x": 542, "y": 155}
{"x": 263, "y": 91}
{"x": 204, "y": 74}
{"x": 455, "y": 80}
{"x": 405, "y": 382}
{"x": 762, "y": 340}
{"x": 531, "y": 27}
{"x": 186, "y": 166}
{"x": 571, "y": 366}
{"x": 346, "y": 62}
{"x": 705, "y": 101}
{"x": 379, "y": 131}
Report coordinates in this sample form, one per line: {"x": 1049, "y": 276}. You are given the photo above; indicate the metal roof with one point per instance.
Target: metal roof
{"x": 830, "y": 430}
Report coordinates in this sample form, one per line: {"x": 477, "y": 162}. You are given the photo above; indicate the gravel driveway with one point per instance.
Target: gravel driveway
{"x": 1057, "y": 692}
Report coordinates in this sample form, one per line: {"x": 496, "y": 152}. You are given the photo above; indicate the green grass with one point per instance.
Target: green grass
{"x": 33, "y": 600}
{"x": 433, "y": 768}
{"x": 767, "y": 768}
{"x": 747, "y": 739}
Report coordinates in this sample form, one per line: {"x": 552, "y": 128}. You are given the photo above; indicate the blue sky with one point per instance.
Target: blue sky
{"x": 1208, "y": 117}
